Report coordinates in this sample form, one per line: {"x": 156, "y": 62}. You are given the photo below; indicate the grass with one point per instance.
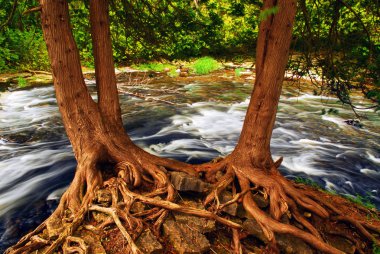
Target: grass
{"x": 238, "y": 71}
{"x": 21, "y": 82}
{"x": 159, "y": 67}
{"x": 205, "y": 65}
{"x": 307, "y": 182}
{"x": 362, "y": 200}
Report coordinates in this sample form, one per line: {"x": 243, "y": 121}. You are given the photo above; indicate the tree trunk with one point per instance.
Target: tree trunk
{"x": 275, "y": 34}
{"x": 79, "y": 112}
{"x": 108, "y": 100}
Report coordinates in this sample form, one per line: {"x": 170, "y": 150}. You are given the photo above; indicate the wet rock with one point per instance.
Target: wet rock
{"x": 184, "y": 182}
{"x": 291, "y": 245}
{"x": 148, "y": 243}
{"x": 287, "y": 243}
{"x": 341, "y": 244}
{"x": 354, "y": 122}
{"x": 231, "y": 209}
{"x": 253, "y": 228}
{"x": 260, "y": 201}
{"x": 202, "y": 225}
{"x": 184, "y": 239}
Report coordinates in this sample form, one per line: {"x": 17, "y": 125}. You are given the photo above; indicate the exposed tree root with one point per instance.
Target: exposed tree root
{"x": 145, "y": 179}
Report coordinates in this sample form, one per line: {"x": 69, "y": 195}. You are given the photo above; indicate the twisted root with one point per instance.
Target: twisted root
{"x": 135, "y": 175}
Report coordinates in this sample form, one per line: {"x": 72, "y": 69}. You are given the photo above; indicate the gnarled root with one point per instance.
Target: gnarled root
{"x": 144, "y": 179}
{"x": 284, "y": 198}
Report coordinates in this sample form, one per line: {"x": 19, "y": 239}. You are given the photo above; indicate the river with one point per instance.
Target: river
{"x": 189, "y": 120}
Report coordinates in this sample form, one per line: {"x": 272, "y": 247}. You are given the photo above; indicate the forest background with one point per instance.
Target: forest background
{"x": 335, "y": 39}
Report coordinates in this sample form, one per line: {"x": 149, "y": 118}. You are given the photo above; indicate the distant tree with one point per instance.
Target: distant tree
{"x": 107, "y": 158}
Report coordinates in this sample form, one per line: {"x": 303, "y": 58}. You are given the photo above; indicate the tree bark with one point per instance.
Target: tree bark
{"x": 79, "y": 112}
{"x": 108, "y": 99}
{"x": 275, "y": 34}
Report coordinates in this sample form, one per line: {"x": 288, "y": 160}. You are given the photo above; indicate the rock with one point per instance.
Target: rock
{"x": 289, "y": 244}
{"x": 148, "y": 243}
{"x": 184, "y": 182}
{"x": 242, "y": 213}
{"x": 39, "y": 79}
{"x": 138, "y": 207}
{"x": 341, "y": 244}
{"x": 93, "y": 242}
{"x": 184, "y": 239}
{"x": 103, "y": 196}
{"x": 231, "y": 209}
{"x": 354, "y": 122}
{"x": 285, "y": 218}
{"x": 253, "y": 228}
{"x": 202, "y": 225}
{"x": 260, "y": 201}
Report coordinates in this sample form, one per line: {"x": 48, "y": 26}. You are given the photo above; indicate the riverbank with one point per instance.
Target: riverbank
{"x": 192, "y": 119}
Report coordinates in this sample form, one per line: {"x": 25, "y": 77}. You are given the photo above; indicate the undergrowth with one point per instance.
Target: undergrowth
{"x": 205, "y": 65}
{"x": 21, "y": 82}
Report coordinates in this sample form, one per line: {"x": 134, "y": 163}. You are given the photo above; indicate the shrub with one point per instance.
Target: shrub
{"x": 205, "y": 65}
{"x": 21, "y": 82}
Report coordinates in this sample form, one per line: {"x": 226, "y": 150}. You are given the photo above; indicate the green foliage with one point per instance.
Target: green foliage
{"x": 21, "y": 82}
{"x": 205, "y": 65}
{"x": 339, "y": 42}
{"x": 22, "y": 50}
{"x": 264, "y": 14}
{"x": 308, "y": 182}
{"x": 362, "y": 200}
{"x": 238, "y": 71}
{"x": 336, "y": 40}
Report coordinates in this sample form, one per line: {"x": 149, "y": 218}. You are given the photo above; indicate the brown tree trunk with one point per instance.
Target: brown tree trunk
{"x": 79, "y": 112}
{"x": 108, "y": 100}
{"x": 275, "y": 34}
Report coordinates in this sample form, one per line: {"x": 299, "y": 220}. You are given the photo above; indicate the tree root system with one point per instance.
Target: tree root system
{"x": 293, "y": 209}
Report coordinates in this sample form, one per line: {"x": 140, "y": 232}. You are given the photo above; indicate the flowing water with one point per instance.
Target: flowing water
{"x": 203, "y": 120}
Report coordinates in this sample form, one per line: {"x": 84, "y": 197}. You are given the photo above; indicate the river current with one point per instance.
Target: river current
{"x": 203, "y": 120}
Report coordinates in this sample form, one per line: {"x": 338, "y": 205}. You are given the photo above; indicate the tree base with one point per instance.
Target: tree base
{"x": 93, "y": 211}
